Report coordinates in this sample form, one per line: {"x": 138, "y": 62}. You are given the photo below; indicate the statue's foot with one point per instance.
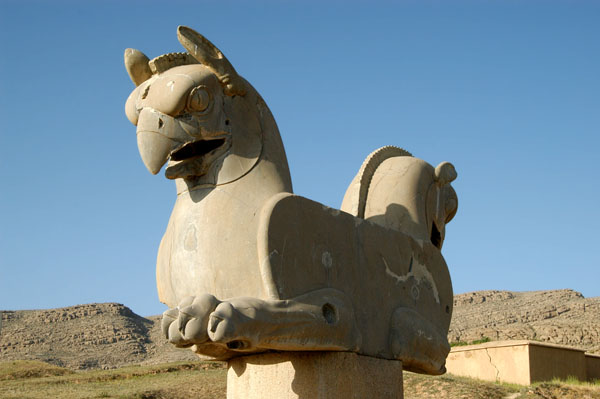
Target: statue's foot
{"x": 318, "y": 320}
{"x": 236, "y": 325}
{"x": 186, "y": 325}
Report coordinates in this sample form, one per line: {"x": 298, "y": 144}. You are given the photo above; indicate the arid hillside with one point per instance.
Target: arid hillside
{"x": 561, "y": 317}
{"x": 98, "y": 335}
{"x": 109, "y": 335}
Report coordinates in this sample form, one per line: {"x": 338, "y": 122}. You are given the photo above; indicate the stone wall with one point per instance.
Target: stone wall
{"x": 592, "y": 366}
{"x": 522, "y": 362}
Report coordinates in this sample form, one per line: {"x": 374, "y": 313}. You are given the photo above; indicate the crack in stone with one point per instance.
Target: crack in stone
{"x": 490, "y": 358}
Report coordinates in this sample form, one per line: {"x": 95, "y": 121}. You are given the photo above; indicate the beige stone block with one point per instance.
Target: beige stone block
{"x": 313, "y": 375}
{"x": 548, "y": 362}
{"x": 519, "y": 362}
{"x": 486, "y": 362}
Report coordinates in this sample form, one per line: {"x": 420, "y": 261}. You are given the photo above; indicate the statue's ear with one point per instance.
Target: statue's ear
{"x": 209, "y": 55}
{"x": 137, "y": 66}
{"x": 445, "y": 173}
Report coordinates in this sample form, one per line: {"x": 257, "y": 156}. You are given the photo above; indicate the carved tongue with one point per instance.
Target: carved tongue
{"x": 154, "y": 149}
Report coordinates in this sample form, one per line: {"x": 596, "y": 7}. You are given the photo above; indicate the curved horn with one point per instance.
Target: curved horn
{"x": 137, "y": 66}
{"x": 209, "y": 55}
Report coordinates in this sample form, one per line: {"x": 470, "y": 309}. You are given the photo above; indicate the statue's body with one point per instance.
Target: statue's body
{"x": 246, "y": 266}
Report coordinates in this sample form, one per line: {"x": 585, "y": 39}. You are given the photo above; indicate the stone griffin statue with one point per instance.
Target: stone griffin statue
{"x": 246, "y": 266}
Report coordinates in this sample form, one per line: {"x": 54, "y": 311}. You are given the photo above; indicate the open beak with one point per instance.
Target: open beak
{"x": 158, "y": 135}
{"x": 161, "y": 137}
{"x": 154, "y": 149}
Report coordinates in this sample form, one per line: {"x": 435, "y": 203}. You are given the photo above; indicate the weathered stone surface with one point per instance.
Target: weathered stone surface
{"x": 246, "y": 266}
{"x": 561, "y": 317}
{"x": 592, "y": 367}
{"x": 323, "y": 375}
{"x": 520, "y": 362}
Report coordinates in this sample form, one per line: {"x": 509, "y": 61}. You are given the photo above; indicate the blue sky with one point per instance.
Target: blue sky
{"x": 508, "y": 91}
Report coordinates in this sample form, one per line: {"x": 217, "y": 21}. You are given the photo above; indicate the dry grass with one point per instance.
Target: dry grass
{"x": 570, "y": 389}
{"x": 418, "y": 386}
{"x": 173, "y": 380}
{"x": 449, "y": 386}
{"x": 207, "y": 380}
{"x": 19, "y": 369}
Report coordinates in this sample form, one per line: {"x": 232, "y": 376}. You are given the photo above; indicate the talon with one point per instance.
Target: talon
{"x": 201, "y": 305}
{"x": 168, "y": 318}
{"x": 195, "y": 331}
{"x": 213, "y": 323}
{"x": 183, "y": 319}
{"x": 188, "y": 324}
{"x": 176, "y": 338}
{"x": 220, "y": 322}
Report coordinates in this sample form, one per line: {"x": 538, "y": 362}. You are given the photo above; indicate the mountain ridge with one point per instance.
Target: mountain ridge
{"x": 97, "y": 335}
{"x": 563, "y": 317}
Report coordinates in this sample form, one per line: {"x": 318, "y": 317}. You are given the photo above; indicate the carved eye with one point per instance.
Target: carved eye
{"x": 198, "y": 99}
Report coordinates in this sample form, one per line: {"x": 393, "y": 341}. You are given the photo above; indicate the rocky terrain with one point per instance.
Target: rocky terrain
{"x": 110, "y": 335}
{"x": 562, "y": 317}
{"x": 99, "y": 335}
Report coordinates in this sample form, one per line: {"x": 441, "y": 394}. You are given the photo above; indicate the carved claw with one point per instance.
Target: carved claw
{"x": 176, "y": 338}
{"x": 169, "y": 317}
{"x": 322, "y": 319}
{"x": 224, "y": 327}
{"x": 187, "y": 324}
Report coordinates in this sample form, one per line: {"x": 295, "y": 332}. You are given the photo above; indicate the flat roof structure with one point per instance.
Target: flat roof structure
{"x": 522, "y": 362}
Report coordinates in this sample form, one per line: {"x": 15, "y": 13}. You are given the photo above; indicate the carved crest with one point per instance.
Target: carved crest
{"x": 208, "y": 54}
